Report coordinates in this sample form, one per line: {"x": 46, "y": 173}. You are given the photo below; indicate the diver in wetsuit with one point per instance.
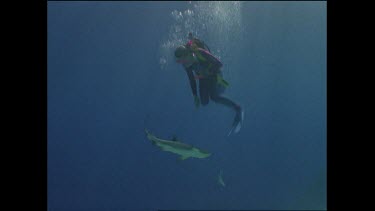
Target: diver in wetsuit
{"x": 204, "y": 67}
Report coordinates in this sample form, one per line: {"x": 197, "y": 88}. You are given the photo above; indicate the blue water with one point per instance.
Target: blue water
{"x": 111, "y": 74}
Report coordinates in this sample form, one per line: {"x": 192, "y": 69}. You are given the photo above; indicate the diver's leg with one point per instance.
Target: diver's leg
{"x": 204, "y": 91}
{"x": 215, "y": 92}
{"x": 238, "y": 118}
{"x": 215, "y": 95}
{"x": 226, "y": 101}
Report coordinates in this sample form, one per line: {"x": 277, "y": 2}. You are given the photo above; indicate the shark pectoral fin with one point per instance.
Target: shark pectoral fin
{"x": 184, "y": 157}
{"x": 161, "y": 147}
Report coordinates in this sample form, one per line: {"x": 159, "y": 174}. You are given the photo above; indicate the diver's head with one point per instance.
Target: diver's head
{"x": 190, "y": 36}
{"x": 184, "y": 56}
{"x": 181, "y": 51}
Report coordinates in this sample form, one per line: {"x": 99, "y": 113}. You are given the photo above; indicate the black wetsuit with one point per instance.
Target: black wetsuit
{"x": 207, "y": 69}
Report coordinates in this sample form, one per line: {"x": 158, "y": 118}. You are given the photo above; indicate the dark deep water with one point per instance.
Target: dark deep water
{"x": 111, "y": 74}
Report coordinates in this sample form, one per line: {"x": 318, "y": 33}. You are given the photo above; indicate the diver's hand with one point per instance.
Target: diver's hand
{"x": 196, "y": 101}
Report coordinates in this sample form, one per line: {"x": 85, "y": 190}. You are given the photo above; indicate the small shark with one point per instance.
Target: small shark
{"x": 175, "y": 146}
{"x": 220, "y": 180}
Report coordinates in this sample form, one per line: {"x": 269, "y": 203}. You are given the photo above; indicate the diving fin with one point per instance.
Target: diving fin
{"x": 237, "y": 123}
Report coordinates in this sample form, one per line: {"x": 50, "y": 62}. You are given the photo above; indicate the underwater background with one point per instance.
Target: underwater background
{"x": 111, "y": 74}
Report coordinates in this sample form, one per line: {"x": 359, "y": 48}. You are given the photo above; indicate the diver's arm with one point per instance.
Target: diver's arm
{"x": 193, "y": 84}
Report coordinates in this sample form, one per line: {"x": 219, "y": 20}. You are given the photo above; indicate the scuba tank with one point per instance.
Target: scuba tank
{"x": 196, "y": 43}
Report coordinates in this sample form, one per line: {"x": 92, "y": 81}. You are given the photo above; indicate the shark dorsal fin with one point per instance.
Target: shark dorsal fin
{"x": 174, "y": 138}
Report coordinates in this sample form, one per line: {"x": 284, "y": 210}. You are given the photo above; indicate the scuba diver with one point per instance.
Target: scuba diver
{"x": 204, "y": 67}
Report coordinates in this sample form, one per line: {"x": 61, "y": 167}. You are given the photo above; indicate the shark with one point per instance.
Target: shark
{"x": 177, "y": 147}
{"x": 220, "y": 180}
